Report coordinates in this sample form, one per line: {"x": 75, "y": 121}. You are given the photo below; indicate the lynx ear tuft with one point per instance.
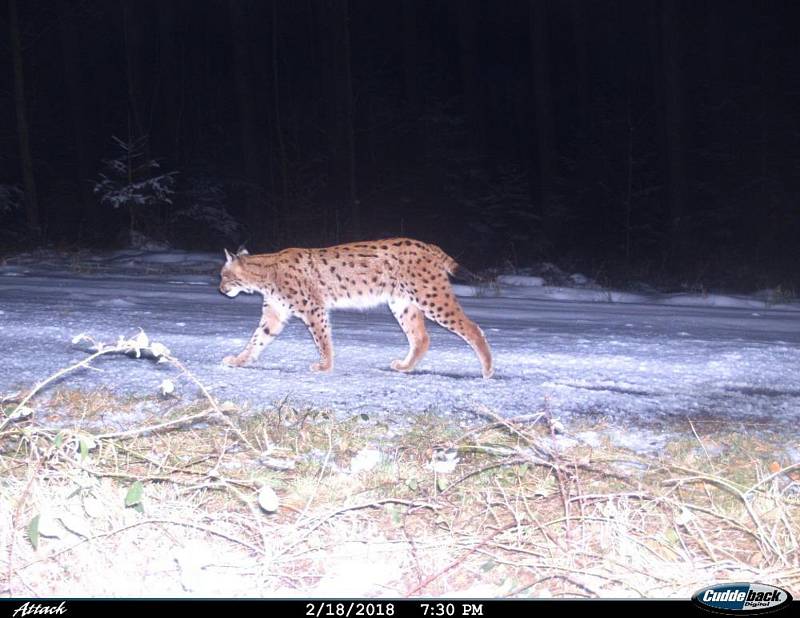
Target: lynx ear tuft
{"x": 228, "y": 257}
{"x": 242, "y": 251}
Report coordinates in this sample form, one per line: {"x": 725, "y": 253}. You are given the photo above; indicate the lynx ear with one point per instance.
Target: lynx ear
{"x": 242, "y": 251}
{"x": 228, "y": 257}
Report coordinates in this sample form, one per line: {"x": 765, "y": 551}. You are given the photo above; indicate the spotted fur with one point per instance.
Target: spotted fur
{"x": 411, "y": 276}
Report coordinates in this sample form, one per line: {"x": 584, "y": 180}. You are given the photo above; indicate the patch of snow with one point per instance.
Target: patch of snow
{"x": 712, "y": 300}
{"x": 366, "y": 459}
{"x": 521, "y": 280}
{"x": 114, "y": 302}
{"x": 361, "y": 570}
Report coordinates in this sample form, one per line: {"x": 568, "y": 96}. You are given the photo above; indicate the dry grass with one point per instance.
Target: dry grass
{"x": 431, "y": 506}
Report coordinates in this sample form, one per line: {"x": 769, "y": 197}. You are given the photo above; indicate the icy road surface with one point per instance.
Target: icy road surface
{"x": 631, "y": 362}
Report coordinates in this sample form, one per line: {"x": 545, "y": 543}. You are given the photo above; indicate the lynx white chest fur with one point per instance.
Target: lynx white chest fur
{"x": 411, "y": 276}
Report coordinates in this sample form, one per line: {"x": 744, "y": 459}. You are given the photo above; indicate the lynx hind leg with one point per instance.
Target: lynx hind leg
{"x": 316, "y": 319}
{"x": 412, "y": 321}
{"x": 269, "y": 327}
{"x": 447, "y": 312}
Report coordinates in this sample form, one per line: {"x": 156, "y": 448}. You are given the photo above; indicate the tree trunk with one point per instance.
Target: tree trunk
{"x": 410, "y": 68}
{"x": 768, "y": 222}
{"x": 132, "y": 52}
{"x": 542, "y": 166}
{"x": 343, "y": 148}
{"x": 73, "y": 81}
{"x": 468, "y": 16}
{"x": 244, "y": 98}
{"x": 23, "y": 132}
{"x": 167, "y": 130}
{"x": 581, "y": 62}
{"x": 283, "y": 164}
{"x": 349, "y": 120}
{"x": 587, "y": 174}
{"x": 674, "y": 125}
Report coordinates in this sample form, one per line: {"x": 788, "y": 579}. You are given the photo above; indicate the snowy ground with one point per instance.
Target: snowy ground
{"x": 639, "y": 361}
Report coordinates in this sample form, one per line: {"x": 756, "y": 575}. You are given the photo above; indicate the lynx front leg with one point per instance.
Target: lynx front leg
{"x": 270, "y": 326}
{"x": 412, "y": 321}
{"x": 316, "y": 319}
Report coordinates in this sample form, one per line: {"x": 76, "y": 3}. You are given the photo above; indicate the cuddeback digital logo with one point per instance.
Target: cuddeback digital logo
{"x": 742, "y": 598}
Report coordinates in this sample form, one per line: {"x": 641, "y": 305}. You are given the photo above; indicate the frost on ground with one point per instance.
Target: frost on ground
{"x": 647, "y": 361}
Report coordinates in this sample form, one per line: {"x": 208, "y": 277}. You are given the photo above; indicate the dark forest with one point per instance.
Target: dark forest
{"x": 653, "y": 139}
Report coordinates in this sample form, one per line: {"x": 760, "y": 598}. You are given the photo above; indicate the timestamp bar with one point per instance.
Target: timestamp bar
{"x": 330, "y": 608}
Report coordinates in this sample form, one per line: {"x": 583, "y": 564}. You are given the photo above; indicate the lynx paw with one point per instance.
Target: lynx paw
{"x": 321, "y": 367}
{"x": 399, "y": 365}
{"x": 234, "y": 361}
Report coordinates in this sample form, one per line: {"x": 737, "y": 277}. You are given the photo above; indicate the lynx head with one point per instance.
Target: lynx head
{"x": 233, "y": 276}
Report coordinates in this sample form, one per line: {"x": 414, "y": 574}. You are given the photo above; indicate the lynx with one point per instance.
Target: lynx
{"x": 411, "y": 276}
